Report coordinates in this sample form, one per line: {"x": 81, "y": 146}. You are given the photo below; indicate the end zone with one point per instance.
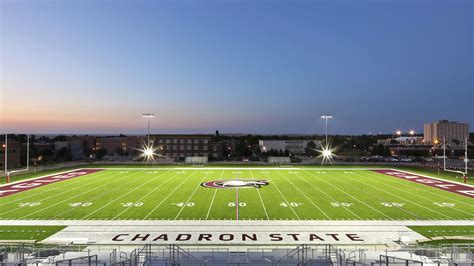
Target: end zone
{"x": 20, "y": 186}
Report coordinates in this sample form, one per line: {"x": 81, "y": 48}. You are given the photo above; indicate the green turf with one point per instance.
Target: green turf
{"x": 433, "y": 231}
{"x": 35, "y": 233}
{"x": 304, "y": 194}
{"x": 420, "y": 170}
{"x": 445, "y": 231}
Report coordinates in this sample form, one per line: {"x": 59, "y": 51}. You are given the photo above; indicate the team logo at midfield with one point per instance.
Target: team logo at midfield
{"x": 235, "y": 184}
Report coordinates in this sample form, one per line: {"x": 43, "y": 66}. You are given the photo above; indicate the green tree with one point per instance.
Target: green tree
{"x": 100, "y": 153}
{"x": 380, "y": 150}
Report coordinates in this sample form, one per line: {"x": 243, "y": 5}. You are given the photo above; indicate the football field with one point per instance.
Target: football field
{"x": 236, "y": 194}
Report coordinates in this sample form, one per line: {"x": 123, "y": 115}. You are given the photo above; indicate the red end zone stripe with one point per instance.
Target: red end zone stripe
{"x": 39, "y": 182}
{"x": 444, "y": 185}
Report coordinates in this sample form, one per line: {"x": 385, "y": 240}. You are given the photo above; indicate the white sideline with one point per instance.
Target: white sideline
{"x": 211, "y": 223}
{"x": 239, "y": 168}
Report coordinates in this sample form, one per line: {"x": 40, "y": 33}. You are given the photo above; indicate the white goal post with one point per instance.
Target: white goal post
{"x": 5, "y": 156}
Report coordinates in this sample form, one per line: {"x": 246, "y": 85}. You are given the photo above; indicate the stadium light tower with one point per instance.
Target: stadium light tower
{"x": 148, "y": 117}
{"x": 326, "y": 117}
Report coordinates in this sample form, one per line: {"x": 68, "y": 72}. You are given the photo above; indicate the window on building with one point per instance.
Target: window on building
{"x": 196, "y": 147}
{"x": 196, "y": 140}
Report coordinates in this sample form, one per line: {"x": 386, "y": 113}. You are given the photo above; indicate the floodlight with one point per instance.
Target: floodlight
{"x": 148, "y": 152}
{"x": 327, "y": 153}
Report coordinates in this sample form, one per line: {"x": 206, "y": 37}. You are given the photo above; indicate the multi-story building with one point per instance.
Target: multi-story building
{"x": 111, "y": 144}
{"x": 444, "y": 129}
{"x": 293, "y": 146}
{"x": 13, "y": 154}
{"x": 186, "y": 145}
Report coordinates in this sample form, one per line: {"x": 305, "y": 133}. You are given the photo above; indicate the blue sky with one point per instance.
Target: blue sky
{"x": 237, "y": 66}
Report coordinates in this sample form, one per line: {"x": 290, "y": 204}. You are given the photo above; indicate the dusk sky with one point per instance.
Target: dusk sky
{"x": 236, "y": 66}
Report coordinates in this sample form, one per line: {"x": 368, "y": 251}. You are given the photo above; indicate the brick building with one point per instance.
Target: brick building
{"x": 14, "y": 155}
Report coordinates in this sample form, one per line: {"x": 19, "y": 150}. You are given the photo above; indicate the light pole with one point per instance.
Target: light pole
{"x": 148, "y": 117}
{"x": 326, "y": 117}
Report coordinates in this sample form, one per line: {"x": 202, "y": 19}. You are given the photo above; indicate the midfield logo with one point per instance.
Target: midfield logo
{"x": 235, "y": 184}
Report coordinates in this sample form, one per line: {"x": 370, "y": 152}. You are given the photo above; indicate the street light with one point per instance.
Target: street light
{"x": 148, "y": 117}
{"x": 412, "y": 132}
{"x": 326, "y": 117}
{"x": 398, "y": 132}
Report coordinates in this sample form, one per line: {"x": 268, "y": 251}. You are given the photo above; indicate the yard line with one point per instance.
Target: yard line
{"x": 395, "y": 195}
{"x": 97, "y": 197}
{"x": 146, "y": 195}
{"x": 120, "y": 179}
{"x": 237, "y": 199}
{"x": 176, "y": 188}
{"x": 189, "y": 198}
{"x": 413, "y": 185}
{"x": 212, "y": 201}
{"x": 322, "y": 179}
{"x": 329, "y": 196}
{"x": 422, "y": 190}
{"x": 115, "y": 200}
{"x": 55, "y": 195}
{"x": 260, "y": 196}
{"x": 299, "y": 190}
{"x": 397, "y": 207}
{"x": 80, "y": 179}
{"x": 287, "y": 202}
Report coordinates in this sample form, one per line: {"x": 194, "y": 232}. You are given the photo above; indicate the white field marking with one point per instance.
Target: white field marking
{"x": 327, "y": 195}
{"x": 146, "y": 195}
{"x": 190, "y": 197}
{"x": 321, "y": 179}
{"x": 169, "y": 195}
{"x": 94, "y": 198}
{"x": 34, "y": 178}
{"x": 60, "y": 185}
{"x": 412, "y": 185}
{"x": 396, "y": 205}
{"x": 235, "y": 168}
{"x": 213, "y": 197}
{"x": 123, "y": 195}
{"x": 240, "y": 168}
{"x": 162, "y": 223}
{"x": 395, "y": 195}
{"x": 284, "y": 198}
{"x": 260, "y": 196}
{"x": 419, "y": 196}
{"x": 437, "y": 178}
{"x": 55, "y": 195}
{"x": 304, "y": 194}
{"x": 68, "y": 199}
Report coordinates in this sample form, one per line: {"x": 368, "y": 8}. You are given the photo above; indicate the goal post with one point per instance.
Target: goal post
{"x": 8, "y": 172}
